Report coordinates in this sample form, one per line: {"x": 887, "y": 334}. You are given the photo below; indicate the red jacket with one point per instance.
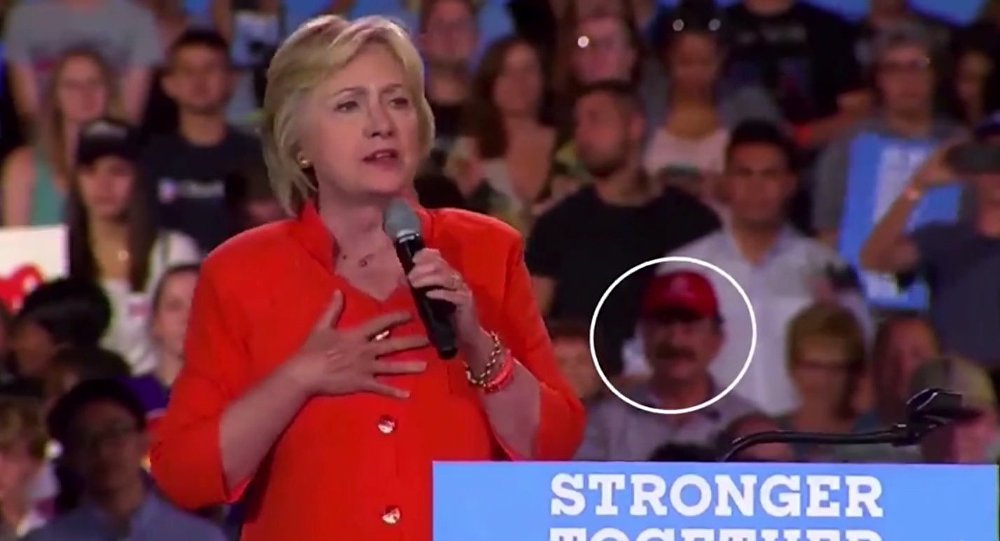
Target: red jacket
{"x": 354, "y": 467}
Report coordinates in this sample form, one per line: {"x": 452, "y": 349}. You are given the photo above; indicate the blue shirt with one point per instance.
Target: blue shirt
{"x": 156, "y": 520}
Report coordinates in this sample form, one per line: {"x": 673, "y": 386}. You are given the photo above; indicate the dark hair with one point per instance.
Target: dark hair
{"x": 619, "y": 90}
{"x": 762, "y": 132}
{"x": 198, "y": 37}
{"x": 175, "y": 270}
{"x": 981, "y": 40}
{"x": 427, "y": 7}
{"x": 436, "y": 190}
{"x": 74, "y": 312}
{"x": 698, "y": 17}
{"x": 141, "y": 236}
{"x": 92, "y": 362}
{"x": 676, "y": 452}
{"x": 481, "y": 117}
{"x": 64, "y": 414}
{"x": 566, "y": 328}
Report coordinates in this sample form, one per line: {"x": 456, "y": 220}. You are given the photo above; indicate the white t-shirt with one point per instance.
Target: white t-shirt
{"x": 131, "y": 310}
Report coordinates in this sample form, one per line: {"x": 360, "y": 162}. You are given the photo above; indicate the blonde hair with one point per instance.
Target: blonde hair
{"x": 21, "y": 422}
{"x": 309, "y": 56}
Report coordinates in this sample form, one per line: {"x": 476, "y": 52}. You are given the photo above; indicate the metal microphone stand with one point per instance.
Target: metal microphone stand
{"x": 925, "y": 411}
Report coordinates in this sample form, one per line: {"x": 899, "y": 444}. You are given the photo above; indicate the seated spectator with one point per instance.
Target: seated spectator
{"x": 113, "y": 238}
{"x": 973, "y": 439}
{"x": 959, "y": 259}
{"x": 101, "y": 426}
{"x": 188, "y": 166}
{"x": 673, "y": 452}
{"x": 571, "y": 341}
{"x": 36, "y": 177}
{"x": 904, "y": 342}
{"x": 56, "y": 315}
{"x": 887, "y": 15}
{"x": 748, "y": 425}
{"x": 505, "y": 159}
{"x": 124, "y": 34}
{"x": 448, "y": 34}
{"x": 691, "y": 129}
{"x": 171, "y": 307}
{"x": 827, "y": 354}
{"x": 972, "y": 88}
{"x": 681, "y": 330}
{"x": 22, "y": 456}
{"x": 862, "y": 169}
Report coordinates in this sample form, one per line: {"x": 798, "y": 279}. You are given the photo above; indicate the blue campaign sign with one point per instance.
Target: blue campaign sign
{"x": 632, "y": 501}
{"x": 880, "y": 169}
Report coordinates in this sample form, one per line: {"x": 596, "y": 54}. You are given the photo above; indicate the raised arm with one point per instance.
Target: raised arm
{"x": 888, "y": 248}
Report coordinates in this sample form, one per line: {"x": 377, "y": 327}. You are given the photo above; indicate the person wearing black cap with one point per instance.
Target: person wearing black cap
{"x": 961, "y": 260}
{"x": 113, "y": 237}
{"x": 101, "y": 427}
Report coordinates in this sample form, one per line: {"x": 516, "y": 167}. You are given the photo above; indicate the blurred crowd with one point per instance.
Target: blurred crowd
{"x": 842, "y": 174}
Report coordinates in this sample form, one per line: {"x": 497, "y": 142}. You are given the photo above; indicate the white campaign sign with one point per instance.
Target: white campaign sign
{"x": 28, "y": 257}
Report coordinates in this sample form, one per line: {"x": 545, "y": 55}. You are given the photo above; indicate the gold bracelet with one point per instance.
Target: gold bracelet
{"x": 496, "y": 355}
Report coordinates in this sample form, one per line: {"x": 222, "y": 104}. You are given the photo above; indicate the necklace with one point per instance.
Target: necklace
{"x": 122, "y": 255}
{"x": 363, "y": 262}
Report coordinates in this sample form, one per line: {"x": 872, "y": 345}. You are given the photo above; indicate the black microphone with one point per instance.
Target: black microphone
{"x": 403, "y": 227}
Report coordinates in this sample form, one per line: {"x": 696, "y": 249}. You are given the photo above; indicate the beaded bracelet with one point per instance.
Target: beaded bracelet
{"x": 503, "y": 377}
{"x": 497, "y": 354}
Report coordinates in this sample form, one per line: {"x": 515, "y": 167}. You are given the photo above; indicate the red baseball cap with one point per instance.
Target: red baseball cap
{"x": 681, "y": 290}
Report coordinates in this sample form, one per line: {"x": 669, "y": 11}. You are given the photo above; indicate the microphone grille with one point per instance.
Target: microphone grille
{"x": 400, "y": 219}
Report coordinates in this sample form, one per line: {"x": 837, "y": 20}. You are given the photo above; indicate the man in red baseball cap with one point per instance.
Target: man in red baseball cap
{"x": 680, "y": 327}
{"x": 681, "y": 330}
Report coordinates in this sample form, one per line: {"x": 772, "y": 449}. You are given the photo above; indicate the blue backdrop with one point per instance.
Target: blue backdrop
{"x": 538, "y": 501}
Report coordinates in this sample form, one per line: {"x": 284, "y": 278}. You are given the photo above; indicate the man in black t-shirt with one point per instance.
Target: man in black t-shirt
{"x": 190, "y": 166}
{"x": 582, "y": 245}
{"x": 805, "y": 56}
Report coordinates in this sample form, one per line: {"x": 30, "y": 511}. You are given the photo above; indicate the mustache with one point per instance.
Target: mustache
{"x": 666, "y": 351}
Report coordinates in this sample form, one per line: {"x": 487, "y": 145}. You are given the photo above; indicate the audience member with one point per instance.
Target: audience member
{"x": 803, "y": 55}
{"x": 961, "y": 260}
{"x": 858, "y": 172}
{"x": 692, "y": 124}
{"x": 681, "y": 331}
{"x": 448, "y": 35}
{"x": 827, "y": 357}
{"x": 780, "y": 270}
{"x": 891, "y": 15}
{"x": 22, "y": 456}
{"x": 582, "y": 245}
{"x": 972, "y": 87}
{"x": 188, "y": 168}
{"x": 113, "y": 237}
{"x": 38, "y": 33}
{"x": 503, "y": 164}
{"x": 972, "y": 439}
{"x": 101, "y": 426}
{"x": 36, "y": 177}
{"x": 171, "y": 305}
{"x": 748, "y": 425}
{"x": 249, "y": 197}
{"x": 58, "y": 314}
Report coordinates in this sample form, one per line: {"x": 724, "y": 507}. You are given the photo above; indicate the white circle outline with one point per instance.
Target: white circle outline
{"x": 660, "y": 261}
